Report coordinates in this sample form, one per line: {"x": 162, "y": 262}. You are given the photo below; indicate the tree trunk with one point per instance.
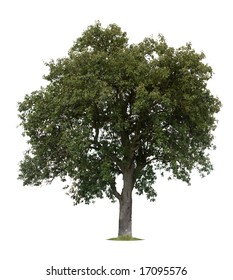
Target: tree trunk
{"x": 125, "y": 216}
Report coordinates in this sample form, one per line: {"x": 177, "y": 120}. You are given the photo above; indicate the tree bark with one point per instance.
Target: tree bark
{"x": 125, "y": 215}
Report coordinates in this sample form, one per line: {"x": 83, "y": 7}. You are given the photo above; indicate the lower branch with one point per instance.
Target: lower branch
{"x": 116, "y": 193}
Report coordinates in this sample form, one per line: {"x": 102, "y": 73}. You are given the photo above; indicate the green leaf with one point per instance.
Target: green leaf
{"x": 111, "y": 106}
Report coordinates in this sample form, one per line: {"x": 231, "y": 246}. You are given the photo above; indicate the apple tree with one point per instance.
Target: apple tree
{"x": 112, "y": 108}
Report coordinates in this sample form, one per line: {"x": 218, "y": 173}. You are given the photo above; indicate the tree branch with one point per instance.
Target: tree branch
{"x": 115, "y": 192}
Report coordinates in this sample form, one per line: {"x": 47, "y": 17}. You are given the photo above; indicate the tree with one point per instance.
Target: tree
{"x": 112, "y": 108}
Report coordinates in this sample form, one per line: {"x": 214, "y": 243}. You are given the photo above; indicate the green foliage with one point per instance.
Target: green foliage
{"x": 109, "y": 106}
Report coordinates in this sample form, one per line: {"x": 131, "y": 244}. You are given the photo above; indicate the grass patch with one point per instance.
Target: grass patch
{"x": 125, "y": 238}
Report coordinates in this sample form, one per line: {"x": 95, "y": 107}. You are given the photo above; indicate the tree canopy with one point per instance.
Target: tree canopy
{"x": 111, "y": 108}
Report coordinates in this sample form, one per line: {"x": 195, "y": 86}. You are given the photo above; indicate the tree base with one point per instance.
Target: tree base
{"x": 125, "y": 238}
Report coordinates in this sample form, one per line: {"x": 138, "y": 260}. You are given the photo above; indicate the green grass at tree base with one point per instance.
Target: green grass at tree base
{"x": 125, "y": 238}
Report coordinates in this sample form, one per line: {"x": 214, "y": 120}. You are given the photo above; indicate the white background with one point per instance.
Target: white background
{"x": 188, "y": 225}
